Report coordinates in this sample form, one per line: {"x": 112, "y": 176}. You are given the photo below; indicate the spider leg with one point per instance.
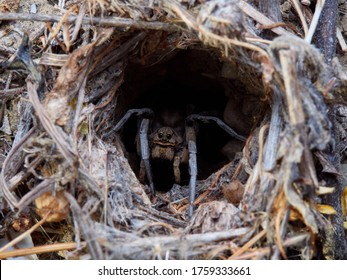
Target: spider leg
{"x": 192, "y": 162}
{"x": 181, "y": 156}
{"x": 145, "y": 152}
{"x": 219, "y": 122}
{"x": 144, "y": 112}
{"x": 176, "y": 168}
{"x": 142, "y": 171}
{"x": 191, "y": 120}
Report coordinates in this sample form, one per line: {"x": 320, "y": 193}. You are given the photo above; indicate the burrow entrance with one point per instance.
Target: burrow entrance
{"x": 188, "y": 83}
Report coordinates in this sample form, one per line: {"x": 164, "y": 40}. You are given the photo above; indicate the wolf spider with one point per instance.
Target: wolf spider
{"x": 170, "y": 142}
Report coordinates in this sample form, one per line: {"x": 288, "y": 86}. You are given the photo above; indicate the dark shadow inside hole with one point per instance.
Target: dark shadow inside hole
{"x": 188, "y": 83}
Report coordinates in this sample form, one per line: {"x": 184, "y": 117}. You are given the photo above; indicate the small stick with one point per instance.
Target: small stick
{"x": 40, "y": 250}
{"x": 280, "y": 226}
{"x": 341, "y": 40}
{"x": 259, "y": 17}
{"x": 267, "y": 250}
{"x": 248, "y": 245}
{"x": 261, "y": 140}
{"x": 163, "y": 216}
{"x": 106, "y": 191}
{"x": 315, "y": 19}
{"x": 217, "y": 176}
{"x": 301, "y": 16}
{"x": 106, "y": 21}
{"x": 6, "y": 166}
{"x": 271, "y": 26}
{"x": 258, "y": 40}
{"x": 7, "y": 93}
{"x": 25, "y": 234}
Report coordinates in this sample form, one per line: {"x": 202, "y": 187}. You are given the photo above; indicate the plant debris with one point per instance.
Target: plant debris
{"x": 72, "y": 179}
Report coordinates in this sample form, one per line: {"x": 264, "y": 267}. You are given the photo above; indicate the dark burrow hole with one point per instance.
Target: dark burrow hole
{"x": 188, "y": 83}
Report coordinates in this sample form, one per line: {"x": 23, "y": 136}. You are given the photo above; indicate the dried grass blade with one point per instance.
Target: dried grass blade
{"x": 10, "y": 198}
{"x": 259, "y": 17}
{"x": 248, "y": 245}
{"x": 39, "y": 250}
{"x": 52, "y": 130}
{"x": 105, "y": 21}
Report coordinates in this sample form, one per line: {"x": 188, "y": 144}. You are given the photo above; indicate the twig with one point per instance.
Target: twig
{"x": 205, "y": 32}
{"x": 39, "y": 189}
{"x": 85, "y": 224}
{"x": 297, "y": 119}
{"x": 175, "y": 7}
{"x": 132, "y": 248}
{"x": 259, "y": 17}
{"x": 53, "y": 35}
{"x": 266, "y": 251}
{"x": 25, "y": 234}
{"x": 8, "y": 82}
{"x": 295, "y": 107}
{"x": 7, "y": 93}
{"x": 262, "y": 132}
{"x": 11, "y": 198}
{"x": 78, "y": 111}
{"x": 271, "y": 26}
{"x": 106, "y": 21}
{"x": 53, "y": 59}
{"x": 248, "y": 245}
{"x": 8, "y": 50}
{"x": 20, "y": 176}
{"x": 301, "y": 15}
{"x": 258, "y": 40}
{"x": 52, "y": 130}
{"x": 40, "y": 250}
{"x": 315, "y": 19}
{"x": 163, "y": 216}
{"x": 276, "y": 123}
{"x": 217, "y": 176}
{"x": 341, "y": 40}
{"x": 78, "y": 23}
{"x": 280, "y": 231}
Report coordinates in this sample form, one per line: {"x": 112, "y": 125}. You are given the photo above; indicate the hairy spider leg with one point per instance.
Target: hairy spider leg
{"x": 137, "y": 112}
{"x": 145, "y": 152}
{"x": 219, "y": 122}
{"x": 146, "y": 114}
{"x": 192, "y": 162}
{"x": 191, "y": 140}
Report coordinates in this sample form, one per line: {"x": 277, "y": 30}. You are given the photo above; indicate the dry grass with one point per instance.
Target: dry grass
{"x": 63, "y": 141}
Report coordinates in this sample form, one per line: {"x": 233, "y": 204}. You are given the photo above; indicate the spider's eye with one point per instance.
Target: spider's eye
{"x": 160, "y": 135}
{"x": 168, "y": 136}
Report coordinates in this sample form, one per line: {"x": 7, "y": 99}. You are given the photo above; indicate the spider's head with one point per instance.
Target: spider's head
{"x": 165, "y": 136}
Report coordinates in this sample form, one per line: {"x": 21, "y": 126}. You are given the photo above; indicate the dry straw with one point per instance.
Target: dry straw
{"x": 287, "y": 177}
